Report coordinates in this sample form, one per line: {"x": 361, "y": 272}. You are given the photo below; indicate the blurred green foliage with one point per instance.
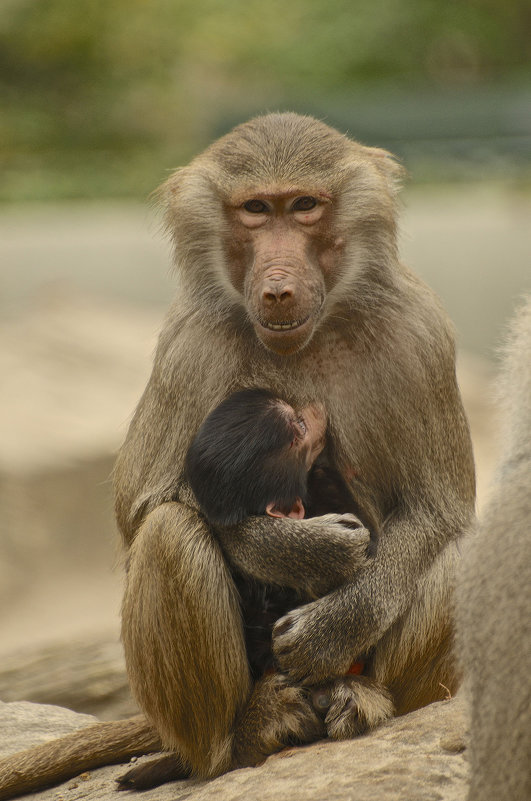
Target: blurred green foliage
{"x": 102, "y": 97}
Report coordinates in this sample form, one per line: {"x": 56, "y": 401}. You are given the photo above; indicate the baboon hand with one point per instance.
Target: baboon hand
{"x": 347, "y": 521}
{"x": 340, "y": 547}
{"x": 311, "y": 645}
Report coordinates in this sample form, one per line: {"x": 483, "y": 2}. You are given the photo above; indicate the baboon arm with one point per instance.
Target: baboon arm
{"x": 61, "y": 759}
{"x": 313, "y": 556}
{"x": 322, "y": 638}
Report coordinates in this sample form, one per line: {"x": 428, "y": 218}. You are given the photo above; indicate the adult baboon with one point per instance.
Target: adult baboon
{"x": 285, "y": 243}
{"x": 286, "y": 249}
{"x": 494, "y": 598}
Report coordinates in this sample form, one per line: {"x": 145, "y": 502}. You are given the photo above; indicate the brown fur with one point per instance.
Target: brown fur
{"x": 378, "y": 351}
{"x": 153, "y": 772}
{"x": 494, "y": 609}
{"x": 57, "y": 760}
{"x": 380, "y": 356}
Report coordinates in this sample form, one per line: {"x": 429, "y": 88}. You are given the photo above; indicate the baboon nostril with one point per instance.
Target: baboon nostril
{"x": 274, "y": 295}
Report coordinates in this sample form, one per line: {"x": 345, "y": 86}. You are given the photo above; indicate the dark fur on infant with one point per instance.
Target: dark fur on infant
{"x": 255, "y": 455}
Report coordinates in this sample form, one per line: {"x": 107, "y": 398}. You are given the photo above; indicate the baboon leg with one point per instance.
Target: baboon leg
{"x": 278, "y": 714}
{"x": 415, "y": 659}
{"x": 162, "y": 769}
{"x": 183, "y": 637}
{"x": 352, "y": 705}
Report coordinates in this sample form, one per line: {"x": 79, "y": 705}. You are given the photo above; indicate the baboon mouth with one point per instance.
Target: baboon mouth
{"x": 285, "y": 336}
{"x": 283, "y": 325}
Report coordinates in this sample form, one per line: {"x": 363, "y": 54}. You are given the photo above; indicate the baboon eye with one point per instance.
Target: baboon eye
{"x": 304, "y": 203}
{"x": 255, "y": 206}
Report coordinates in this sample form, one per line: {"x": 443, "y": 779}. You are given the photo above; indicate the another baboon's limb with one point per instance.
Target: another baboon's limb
{"x": 494, "y": 610}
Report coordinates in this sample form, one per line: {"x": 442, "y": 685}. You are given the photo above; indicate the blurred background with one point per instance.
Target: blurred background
{"x": 100, "y": 100}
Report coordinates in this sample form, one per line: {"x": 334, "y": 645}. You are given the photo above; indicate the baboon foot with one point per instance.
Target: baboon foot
{"x": 278, "y": 714}
{"x": 162, "y": 769}
{"x": 352, "y": 705}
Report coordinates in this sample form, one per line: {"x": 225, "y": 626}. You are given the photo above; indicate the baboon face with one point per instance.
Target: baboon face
{"x": 281, "y": 217}
{"x": 281, "y": 249}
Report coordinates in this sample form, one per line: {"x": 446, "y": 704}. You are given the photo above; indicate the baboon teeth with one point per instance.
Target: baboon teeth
{"x": 283, "y": 326}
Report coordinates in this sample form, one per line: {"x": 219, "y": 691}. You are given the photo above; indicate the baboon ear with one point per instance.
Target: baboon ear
{"x": 168, "y": 192}
{"x": 273, "y": 510}
{"x": 297, "y": 511}
{"x": 185, "y": 199}
{"x": 388, "y": 165}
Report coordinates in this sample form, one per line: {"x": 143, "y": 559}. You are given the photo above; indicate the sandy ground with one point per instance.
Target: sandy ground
{"x": 82, "y": 293}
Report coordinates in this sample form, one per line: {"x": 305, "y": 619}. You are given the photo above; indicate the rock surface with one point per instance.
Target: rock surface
{"x": 419, "y": 757}
{"x": 74, "y": 367}
{"x": 23, "y": 724}
{"x": 84, "y": 675}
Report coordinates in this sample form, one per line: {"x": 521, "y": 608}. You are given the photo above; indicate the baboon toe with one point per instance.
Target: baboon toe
{"x": 146, "y": 775}
{"x": 357, "y": 704}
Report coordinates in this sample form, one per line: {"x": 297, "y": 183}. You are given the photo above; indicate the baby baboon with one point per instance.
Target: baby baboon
{"x": 494, "y": 598}
{"x": 255, "y": 455}
{"x": 252, "y": 455}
